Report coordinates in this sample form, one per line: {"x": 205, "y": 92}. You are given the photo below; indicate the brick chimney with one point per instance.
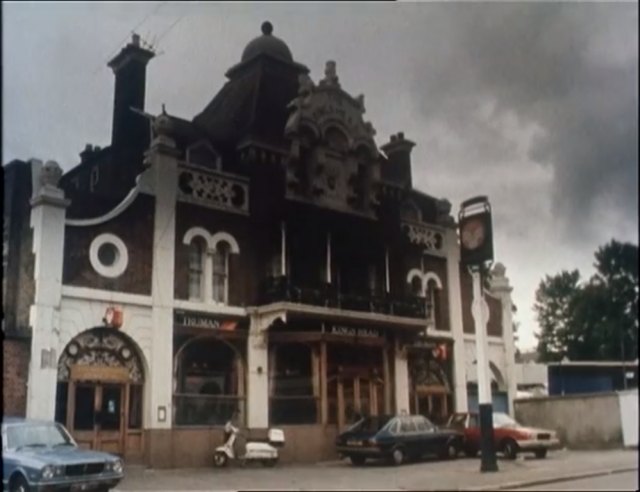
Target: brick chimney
{"x": 398, "y": 169}
{"x": 130, "y": 130}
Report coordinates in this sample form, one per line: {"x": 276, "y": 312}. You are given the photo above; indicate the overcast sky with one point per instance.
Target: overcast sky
{"x": 532, "y": 104}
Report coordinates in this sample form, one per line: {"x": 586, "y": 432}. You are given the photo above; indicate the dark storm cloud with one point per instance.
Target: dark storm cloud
{"x": 570, "y": 69}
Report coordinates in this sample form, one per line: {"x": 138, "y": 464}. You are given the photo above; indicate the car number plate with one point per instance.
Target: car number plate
{"x": 353, "y": 442}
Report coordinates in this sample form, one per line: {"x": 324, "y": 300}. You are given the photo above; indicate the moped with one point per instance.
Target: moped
{"x": 264, "y": 452}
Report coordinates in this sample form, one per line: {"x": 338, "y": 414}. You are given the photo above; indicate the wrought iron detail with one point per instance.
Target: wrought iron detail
{"x": 101, "y": 347}
{"x": 431, "y": 239}
{"x": 214, "y": 190}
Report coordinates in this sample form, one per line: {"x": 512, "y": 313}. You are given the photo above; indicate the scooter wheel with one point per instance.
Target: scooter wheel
{"x": 270, "y": 463}
{"x": 220, "y": 459}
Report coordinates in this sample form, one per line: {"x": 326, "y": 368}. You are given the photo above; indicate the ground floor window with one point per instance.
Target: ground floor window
{"x": 294, "y": 388}
{"x": 209, "y": 382}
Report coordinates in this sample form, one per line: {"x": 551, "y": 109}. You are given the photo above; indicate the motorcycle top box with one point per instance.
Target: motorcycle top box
{"x": 276, "y": 437}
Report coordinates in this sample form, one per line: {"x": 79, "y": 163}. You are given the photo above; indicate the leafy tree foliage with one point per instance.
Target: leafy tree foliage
{"x": 595, "y": 320}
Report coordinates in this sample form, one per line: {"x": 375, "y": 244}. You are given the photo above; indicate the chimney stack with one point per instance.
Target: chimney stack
{"x": 86, "y": 153}
{"x": 130, "y": 130}
{"x": 398, "y": 169}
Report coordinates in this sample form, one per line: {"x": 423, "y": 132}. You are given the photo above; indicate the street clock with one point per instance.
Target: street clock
{"x": 476, "y": 237}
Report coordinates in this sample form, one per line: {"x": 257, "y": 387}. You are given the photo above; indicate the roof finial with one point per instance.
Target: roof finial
{"x": 267, "y": 28}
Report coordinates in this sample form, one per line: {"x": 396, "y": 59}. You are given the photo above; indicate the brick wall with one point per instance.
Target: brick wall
{"x": 15, "y": 372}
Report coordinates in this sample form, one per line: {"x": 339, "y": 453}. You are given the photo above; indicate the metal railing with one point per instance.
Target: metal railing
{"x": 278, "y": 289}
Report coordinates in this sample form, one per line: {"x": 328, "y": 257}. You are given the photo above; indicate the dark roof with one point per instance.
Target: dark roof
{"x": 252, "y": 104}
{"x": 267, "y": 44}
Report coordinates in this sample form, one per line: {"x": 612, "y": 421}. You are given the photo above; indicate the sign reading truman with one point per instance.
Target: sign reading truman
{"x": 202, "y": 320}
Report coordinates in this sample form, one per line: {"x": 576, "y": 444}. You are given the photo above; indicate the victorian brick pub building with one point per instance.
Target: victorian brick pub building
{"x": 266, "y": 255}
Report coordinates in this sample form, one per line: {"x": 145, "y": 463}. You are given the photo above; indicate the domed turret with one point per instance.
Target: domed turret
{"x": 267, "y": 44}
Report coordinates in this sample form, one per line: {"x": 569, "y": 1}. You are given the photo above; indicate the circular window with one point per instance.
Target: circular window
{"x": 108, "y": 255}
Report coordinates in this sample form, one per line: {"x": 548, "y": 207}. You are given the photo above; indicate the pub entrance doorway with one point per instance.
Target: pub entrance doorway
{"x": 355, "y": 386}
{"x": 99, "y": 393}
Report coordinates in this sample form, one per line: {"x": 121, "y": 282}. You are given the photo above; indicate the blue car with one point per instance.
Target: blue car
{"x": 397, "y": 439}
{"x": 39, "y": 456}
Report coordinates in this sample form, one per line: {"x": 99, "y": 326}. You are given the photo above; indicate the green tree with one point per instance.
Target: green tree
{"x": 555, "y": 299}
{"x": 597, "y": 320}
{"x": 617, "y": 280}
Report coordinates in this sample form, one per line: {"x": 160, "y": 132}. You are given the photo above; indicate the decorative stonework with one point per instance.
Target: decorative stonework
{"x": 333, "y": 159}
{"x": 50, "y": 174}
{"x": 213, "y": 190}
{"x": 431, "y": 239}
{"x": 101, "y": 347}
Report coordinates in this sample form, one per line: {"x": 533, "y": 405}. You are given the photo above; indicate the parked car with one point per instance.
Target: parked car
{"x": 510, "y": 438}
{"x": 396, "y": 439}
{"x": 40, "y": 455}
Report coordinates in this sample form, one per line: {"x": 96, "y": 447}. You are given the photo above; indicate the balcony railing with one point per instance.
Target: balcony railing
{"x": 279, "y": 289}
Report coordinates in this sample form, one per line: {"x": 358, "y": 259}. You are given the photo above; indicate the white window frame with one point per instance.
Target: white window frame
{"x": 211, "y": 242}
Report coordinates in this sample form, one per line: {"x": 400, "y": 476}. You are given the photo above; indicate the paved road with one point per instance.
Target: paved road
{"x": 615, "y": 481}
{"x": 461, "y": 474}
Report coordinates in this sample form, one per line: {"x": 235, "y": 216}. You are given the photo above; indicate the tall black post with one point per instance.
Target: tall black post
{"x": 476, "y": 253}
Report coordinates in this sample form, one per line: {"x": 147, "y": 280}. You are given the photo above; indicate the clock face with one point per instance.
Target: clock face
{"x": 472, "y": 235}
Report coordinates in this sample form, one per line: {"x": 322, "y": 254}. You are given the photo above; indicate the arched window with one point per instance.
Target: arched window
{"x": 294, "y": 391}
{"x": 209, "y": 382}
{"x": 221, "y": 273}
{"x": 197, "y": 249}
{"x": 433, "y": 304}
{"x": 208, "y": 264}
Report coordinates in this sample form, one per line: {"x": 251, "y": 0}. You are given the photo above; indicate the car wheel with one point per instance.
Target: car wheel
{"x": 397, "y": 456}
{"x": 450, "y": 451}
{"x": 220, "y": 459}
{"x": 19, "y": 484}
{"x": 510, "y": 449}
{"x": 541, "y": 453}
{"x": 357, "y": 460}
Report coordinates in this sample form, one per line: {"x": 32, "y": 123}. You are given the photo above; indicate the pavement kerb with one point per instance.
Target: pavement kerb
{"x": 543, "y": 481}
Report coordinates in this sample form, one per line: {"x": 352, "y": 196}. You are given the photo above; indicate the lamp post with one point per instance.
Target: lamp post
{"x": 476, "y": 253}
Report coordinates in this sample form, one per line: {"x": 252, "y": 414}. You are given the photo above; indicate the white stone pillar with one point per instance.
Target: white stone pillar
{"x": 500, "y": 287}
{"x": 257, "y": 376}
{"x": 48, "y": 209}
{"x": 455, "y": 320}
{"x": 401, "y": 374}
{"x": 480, "y": 312}
{"x": 163, "y": 179}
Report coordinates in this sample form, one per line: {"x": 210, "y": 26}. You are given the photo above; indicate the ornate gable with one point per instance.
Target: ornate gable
{"x": 333, "y": 159}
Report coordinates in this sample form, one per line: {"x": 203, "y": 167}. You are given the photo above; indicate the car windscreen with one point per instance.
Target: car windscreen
{"x": 371, "y": 424}
{"x": 35, "y": 435}
{"x": 458, "y": 420}
{"x": 503, "y": 420}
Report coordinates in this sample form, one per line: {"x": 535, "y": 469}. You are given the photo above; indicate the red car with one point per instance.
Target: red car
{"x": 510, "y": 438}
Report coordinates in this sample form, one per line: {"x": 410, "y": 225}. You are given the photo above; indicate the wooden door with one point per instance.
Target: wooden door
{"x": 81, "y": 418}
{"x": 110, "y": 400}
{"x": 97, "y": 415}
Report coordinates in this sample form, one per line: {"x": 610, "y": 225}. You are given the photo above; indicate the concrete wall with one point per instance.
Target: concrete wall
{"x": 629, "y": 416}
{"x": 581, "y": 421}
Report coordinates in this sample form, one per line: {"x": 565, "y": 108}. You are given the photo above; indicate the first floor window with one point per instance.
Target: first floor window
{"x": 196, "y": 262}
{"x": 221, "y": 274}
